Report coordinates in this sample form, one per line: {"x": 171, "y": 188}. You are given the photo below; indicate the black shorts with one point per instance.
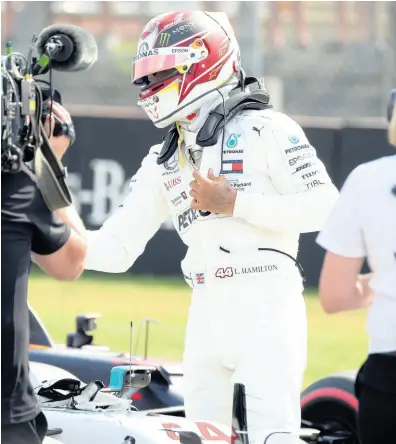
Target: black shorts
{"x": 32, "y": 432}
{"x": 377, "y": 400}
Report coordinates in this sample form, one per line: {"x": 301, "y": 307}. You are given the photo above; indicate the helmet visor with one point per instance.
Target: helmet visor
{"x": 161, "y": 59}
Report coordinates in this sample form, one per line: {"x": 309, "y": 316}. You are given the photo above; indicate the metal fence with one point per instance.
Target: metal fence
{"x": 319, "y": 58}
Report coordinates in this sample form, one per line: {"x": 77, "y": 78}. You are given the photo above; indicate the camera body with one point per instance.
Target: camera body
{"x": 26, "y": 101}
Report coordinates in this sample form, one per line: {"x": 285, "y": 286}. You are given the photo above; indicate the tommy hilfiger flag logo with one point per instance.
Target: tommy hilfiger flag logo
{"x": 200, "y": 278}
{"x": 232, "y": 166}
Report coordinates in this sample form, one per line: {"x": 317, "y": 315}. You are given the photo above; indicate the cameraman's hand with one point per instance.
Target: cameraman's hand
{"x": 59, "y": 144}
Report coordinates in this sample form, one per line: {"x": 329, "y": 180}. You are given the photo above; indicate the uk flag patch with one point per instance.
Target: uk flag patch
{"x": 200, "y": 278}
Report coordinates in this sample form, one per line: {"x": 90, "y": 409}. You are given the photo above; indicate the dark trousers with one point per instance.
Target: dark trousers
{"x": 377, "y": 400}
{"x": 32, "y": 432}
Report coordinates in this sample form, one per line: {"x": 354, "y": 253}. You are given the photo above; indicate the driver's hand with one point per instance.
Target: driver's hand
{"x": 59, "y": 144}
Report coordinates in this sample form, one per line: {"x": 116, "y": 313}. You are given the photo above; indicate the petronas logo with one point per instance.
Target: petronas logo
{"x": 232, "y": 141}
{"x": 164, "y": 39}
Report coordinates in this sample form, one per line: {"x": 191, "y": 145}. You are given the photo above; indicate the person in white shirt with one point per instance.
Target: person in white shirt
{"x": 362, "y": 226}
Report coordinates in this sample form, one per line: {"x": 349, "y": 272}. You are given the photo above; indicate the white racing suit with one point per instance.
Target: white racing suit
{"x": 247, "y": 320}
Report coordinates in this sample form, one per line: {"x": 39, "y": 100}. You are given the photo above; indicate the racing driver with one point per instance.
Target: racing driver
{"x": 239, "y": 199}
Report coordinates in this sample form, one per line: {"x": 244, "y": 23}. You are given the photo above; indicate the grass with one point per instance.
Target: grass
{"x": 335, "y": 343}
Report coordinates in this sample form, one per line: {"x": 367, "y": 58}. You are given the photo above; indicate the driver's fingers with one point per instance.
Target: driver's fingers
{"x": 194, "y": 185}
{"x": 194, "y": 194}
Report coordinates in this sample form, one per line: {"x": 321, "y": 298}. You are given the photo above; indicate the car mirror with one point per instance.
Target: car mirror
{"x": 124, "y": 377}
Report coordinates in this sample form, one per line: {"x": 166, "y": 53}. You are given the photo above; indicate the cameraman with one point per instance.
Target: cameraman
{"x": 56, "y": 243}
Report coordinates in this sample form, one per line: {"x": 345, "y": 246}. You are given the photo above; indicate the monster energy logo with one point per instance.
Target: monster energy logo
{"x": 164, "y": 39}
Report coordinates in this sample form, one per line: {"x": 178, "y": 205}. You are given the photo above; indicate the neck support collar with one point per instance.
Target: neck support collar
{"x": 256, "y": 99}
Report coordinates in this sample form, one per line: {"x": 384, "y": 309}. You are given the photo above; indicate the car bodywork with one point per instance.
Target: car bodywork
{"x": 329, "y": 405}
{"x": 90, "y": 362}
{"x": 91, "y": 414}
{"x": 101, "y": 417}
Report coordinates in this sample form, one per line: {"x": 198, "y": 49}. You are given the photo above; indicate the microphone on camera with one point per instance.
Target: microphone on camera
{"x": 65, "y": 48}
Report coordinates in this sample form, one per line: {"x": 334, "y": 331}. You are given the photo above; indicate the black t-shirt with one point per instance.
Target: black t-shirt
{"x": 26, "y": 225}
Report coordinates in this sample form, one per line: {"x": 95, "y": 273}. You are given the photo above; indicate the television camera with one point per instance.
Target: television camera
{"x": 26, "y": 100}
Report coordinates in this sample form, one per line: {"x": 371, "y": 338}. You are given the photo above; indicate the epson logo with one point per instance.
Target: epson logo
{"x": 178, "y": 50}
{"x": 299, "y": 158}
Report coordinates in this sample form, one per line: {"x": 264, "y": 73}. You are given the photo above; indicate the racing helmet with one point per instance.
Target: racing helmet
{"x": 183, "y": 58}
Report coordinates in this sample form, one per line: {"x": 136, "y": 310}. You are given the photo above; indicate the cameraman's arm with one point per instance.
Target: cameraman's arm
{"x": 59, "y": 242}
{"x": 60, "y": 251}
{"x": 70, "y": 216}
